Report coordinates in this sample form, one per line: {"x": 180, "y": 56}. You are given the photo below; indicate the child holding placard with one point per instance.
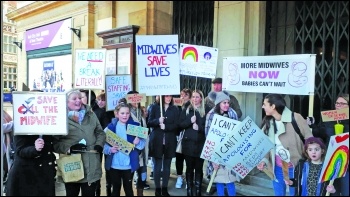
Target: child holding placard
{"x": 308, "y": 172}
{"x": 120, "y": 165}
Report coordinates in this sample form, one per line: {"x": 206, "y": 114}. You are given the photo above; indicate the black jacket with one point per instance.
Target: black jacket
{"x": 156, "y": 137}
{"x": 33, "y": 172}
{"x": 193, "y": 140}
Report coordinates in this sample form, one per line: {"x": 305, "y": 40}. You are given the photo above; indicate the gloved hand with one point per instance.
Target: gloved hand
{"x": 78, "y": 148}
{"x": 98, "y": 148}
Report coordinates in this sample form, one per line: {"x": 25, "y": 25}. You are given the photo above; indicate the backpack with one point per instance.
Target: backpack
{"x": 296, "y": 128}
{"x": 297, "y": 177}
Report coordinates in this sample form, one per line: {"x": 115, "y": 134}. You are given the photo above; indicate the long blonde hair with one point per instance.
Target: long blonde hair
{"x": 200, "y": 109}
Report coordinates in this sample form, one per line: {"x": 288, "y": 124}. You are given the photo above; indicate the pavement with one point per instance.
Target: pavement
{"x": 60, "y": 190}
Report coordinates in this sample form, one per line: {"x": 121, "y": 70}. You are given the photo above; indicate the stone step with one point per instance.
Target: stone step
{"x": 260, "y": 179}
{"x": 250, "y": 190}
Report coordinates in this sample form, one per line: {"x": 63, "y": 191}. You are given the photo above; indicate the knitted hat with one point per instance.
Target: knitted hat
{"x": 218, "y": 97}
{"x": 312, "y": 140}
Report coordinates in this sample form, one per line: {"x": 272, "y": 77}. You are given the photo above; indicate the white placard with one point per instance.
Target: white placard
{"x": 158, "y": 64}
{"x": 90, "y": 68}
{"x": 283, "y": 74}
{"x": 117, "y": 87}
{"x": 199, "y": 61}
{"x": 111, "y": 62}
{"x": 220, "y": 128}
{"x": 244, "y": 148}
{"x": 40, "y": 113}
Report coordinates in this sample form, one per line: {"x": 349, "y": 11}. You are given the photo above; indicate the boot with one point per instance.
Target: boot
{"x": 158, "y": 192}
{"x": 98, "y": 188}
{"x": 198, "y": 183}
{"x": 165, "y": 191}
{"x": 189, "y": 182}
{"x": 139, "y": 192}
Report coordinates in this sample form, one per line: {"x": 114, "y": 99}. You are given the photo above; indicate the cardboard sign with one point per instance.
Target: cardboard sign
{"x": 113, "y": 139}
{"x": 40, "y": 113}
{"x": 244, "y": 148}
{"x": 216, "y": 134}
{"x": 137, "y": 131}
{"x": 178, "y": 101}
{"x": 135, "y": 98}
{"x": 117, "y": 87}
{"x": 336, "y": 161}
{"x": 334, "y": 115}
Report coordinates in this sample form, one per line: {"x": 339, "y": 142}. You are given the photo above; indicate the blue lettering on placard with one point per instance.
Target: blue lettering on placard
{"x": 156, "y": 49}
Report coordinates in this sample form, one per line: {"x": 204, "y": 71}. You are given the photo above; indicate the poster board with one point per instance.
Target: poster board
{"x": 282, "y": 74}
{"x": 117, "y": 86}
{"x": 138, "y": 131}
{"x": 334, "y": 115}
{"x": 158, "y": 64}
{"x": 198, "y": 61}
{"x": 336, "y": 161}
{"x": 178, "y": 101}
{"x": 135, "y": 98}
{"x": 244, "y": 149}
{"x": 40, "y": 113}
{"x": 113, "y": 140}
{"x": 90, "y": 68}
{"x": 220, "y": 129}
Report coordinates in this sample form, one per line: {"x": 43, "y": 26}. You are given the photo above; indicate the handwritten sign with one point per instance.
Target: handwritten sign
{"x": 113, "y": 139}
{"x": 135, "y": 98}
{"x": 334, "y": 115}
{"x": 90, "y": 68}
{"x": 282, "y": 74}
{"x": 138, "y": 131}
{"x": 244, "y": 148}
{"x": 117, "y": 87}
{"x": 336, "y": 161}
{"x": 158, "y": 64}
{"x": 199, "y": 61}
{"x": 178, "y": 101}
{"x": 40, "y": 113}
{"x": 220, "y": 128}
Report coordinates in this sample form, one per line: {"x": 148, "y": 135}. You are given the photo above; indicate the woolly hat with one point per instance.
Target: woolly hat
{"x": 218, "y": 97}
{"x": 312, "y": 140}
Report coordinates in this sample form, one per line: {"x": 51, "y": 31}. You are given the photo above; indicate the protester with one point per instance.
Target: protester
{"x": 224, "y": 174}
{"x": 277, "y": 125}
{"x": 192, "y": 120}
{"x": 106, "y": 118}
{"x": 7, "y": 144}
{"x": 84, "y": 133}
{"x": 325, "y": 130}
{"x": 33, "y": 171}
{"x": 162, "y": 143}
{"x": 120, "y": 165}
{"x": 186, "y": 95}
{"x": 309, "y": 171}
{"x": 217, "y": 87}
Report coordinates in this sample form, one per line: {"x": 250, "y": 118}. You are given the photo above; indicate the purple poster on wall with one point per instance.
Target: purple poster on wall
{"x": 54, "y": 34}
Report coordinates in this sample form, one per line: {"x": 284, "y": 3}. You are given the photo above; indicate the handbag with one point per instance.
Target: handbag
{"x": 70, "y": 167}
{"x": 179, "y": 142}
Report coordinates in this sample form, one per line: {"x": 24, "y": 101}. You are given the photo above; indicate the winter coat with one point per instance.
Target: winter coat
{"x": 301, "y": 174}
{"x": 33, "y": 172}
{"x": 193, "y": 140}
{"x": 326, "y": 129}
{"x": 288, "y": 137}
{"x": 169, "y": 133}
{"x": 90, "y": 130}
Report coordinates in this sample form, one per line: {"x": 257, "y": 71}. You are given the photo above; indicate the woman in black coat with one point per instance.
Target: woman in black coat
{"x": 163, "y": 141}
{"x": 33, "y": 171}
{"x": 192, "y": 120}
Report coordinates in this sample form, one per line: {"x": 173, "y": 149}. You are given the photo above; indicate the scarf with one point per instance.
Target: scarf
{"x": 77, "y": 116}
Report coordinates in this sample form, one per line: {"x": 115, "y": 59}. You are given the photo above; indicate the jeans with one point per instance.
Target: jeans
{"x": 231, "y": 189}
{"x": 279, "y": 186}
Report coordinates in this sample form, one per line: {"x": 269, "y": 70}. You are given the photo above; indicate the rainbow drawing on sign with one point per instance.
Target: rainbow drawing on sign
{"x": 190, "y": 52}
{"x": 337, "y": 165}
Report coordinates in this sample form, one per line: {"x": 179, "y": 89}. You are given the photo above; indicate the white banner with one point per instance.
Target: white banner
{"x": 220, "y": 128}
{"x": 40, "y": 113}
{"x": 90, "y": 68}
{"x": 244, "y": 148}
{"x": 117, "y": 86}
{"x": 283, "y": 74}
{"x": 158, "y": 64}
{"x": 199, "y": 61}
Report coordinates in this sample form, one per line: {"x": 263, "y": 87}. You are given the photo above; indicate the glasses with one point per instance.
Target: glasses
{"x": 340, "y": 103}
